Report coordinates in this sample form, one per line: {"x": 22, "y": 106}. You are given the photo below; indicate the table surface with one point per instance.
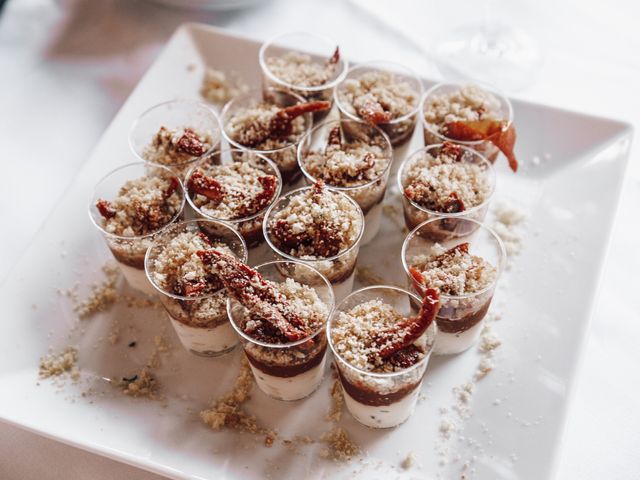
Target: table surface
{"x": 68, "y": 65}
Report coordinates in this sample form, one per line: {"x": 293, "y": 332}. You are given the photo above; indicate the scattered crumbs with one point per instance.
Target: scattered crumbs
{"x": 144, "y": 384}
{"x": 508, "y": 223}
{"x": 102, "y": 295}
{"x": 191, "y": 67}
{"x": 219, "y": 87}
{"x": 114, "y": 334}
{"x": 337, "y": 402}
{"x": 489, "y": 341}
{"x": 484, "y": 367}
{"x": 447, "y": 427}
{"x": 55, "y": 364}
{"x": 340, "y": 446}
{"x": 408, "y": 461}
{"x": 162, "y": 346}
{"x": 367, "y": 277}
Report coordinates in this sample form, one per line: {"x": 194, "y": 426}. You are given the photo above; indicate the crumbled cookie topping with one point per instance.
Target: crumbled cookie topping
{"x": 250, "y": 126}
{"x": 177, "y": 146}
{"x": 143, "y": 206}
{"x": 299, "y": 69}
{"x": 232, "y": 191}
{"x": 220, "y": 87}
{"x": 317, "y": 223}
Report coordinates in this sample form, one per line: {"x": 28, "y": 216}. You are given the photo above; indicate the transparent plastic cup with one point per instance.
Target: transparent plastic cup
{"x": 381, "y": 400}
{"x": 201, "y": 321}
{"x": 433, "y": 136}
{"x": 415, "y": 214}
{"x": 175, "y": 115}
{"x": 294, "y": 370}
{"x": 319, "y": 48}
{"x": 368, "y": 194}
{"x": 399, "y": 129}
{"x": 250, "y": 227}
{"x": 284, "y": 157}
{"x": 338, "y": 269}
{"x": 129, "y": 251}
{"x": 461, "y": 317}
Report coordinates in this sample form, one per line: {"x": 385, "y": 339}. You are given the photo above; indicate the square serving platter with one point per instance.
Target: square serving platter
{"x": 569, "y": 183}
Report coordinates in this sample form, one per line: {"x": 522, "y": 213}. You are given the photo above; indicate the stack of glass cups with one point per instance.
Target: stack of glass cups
{"x": 461, "y": 317}
{"x": 382, "y": 400}
{"x": 294, "y": 370}
{"x": 370, "y": 194}
{"x": 201, "y": 321}
{"x": 129, "y": 251}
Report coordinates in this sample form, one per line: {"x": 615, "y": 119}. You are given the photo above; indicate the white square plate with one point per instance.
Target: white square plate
{"x": 518, "y": 410}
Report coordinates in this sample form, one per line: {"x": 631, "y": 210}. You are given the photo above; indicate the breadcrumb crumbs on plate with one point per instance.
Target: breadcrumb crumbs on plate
{"x": 337, "y": 402}
{"x": 219, "y": 87}
{"x": 339, "y": 446}
{"x": 56, "y": 364}
{"x": 102, "y": 295}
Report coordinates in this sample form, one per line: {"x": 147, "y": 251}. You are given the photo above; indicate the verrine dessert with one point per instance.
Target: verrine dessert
{"x": 445, "y": 180}
{"x": 321, "y": 228}
{"x": 272, "y": 125}
{"x": 464, "y": 270}
{"x": 175, "y": 134}
{"x": 351, "y": 157}
{"x": 191, "y": 290}
{"x": 304, "y": 63}
{"x": 470, "y": 115}
{"x": 280, "y": 310}
{"x": 382, "y": 338}
{"x": 382, "y": 94}
{"x": 236, "y": 187}
{"x": 130, "y": 206}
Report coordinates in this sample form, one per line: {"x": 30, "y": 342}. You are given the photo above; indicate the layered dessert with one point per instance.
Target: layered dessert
{"x": 321, "y": 228}
{"x": 465, "y": 282}
{"x": 142, "y": 207}
{"x": 270, "y": 128}
{"x": 356, "y": 161}
{"x": 445, "y": 180}
{"x": 382, "y": 356}
{"x": 192, "y": 292}
{"x": 282, "y": 326}
{"x": 381, "y": 98}
{"x": 237, "y": 192}
{"x": 473, "y": 116}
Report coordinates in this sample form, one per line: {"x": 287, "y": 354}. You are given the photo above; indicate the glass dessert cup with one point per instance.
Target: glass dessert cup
{"x": 201, "y": 321}
{"x": 400, "y": 129}
{"x": 250, "y": 227}
{"x": 129, "y": 251}
{"x": 454, "y": 225}
{"x": 368, "y": 193}
{"x": 294, "y": 370}
{"x": 382, "y": 400}
{"x": 433, "y": 136}
{"x": 285, "y": 157}
{"x": 461, "y": 317}
{"x": 175, "y": 115}
{"x": 320, "y": 49}
{"x": 338, "y": 269}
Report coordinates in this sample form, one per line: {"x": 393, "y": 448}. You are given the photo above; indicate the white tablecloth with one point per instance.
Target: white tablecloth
{"x": 67, "y": 66}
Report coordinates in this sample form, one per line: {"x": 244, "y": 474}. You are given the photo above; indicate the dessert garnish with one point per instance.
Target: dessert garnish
{"x": 172, "y": 146}
{"x": 356, "y": 171}
{"x": 278, "y": 319}
{"x": 371, "y": 110}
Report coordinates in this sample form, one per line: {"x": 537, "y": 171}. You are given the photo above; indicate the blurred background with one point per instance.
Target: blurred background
{"x": 68, "y": 65}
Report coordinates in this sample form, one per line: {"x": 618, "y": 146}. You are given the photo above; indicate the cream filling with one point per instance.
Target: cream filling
{"x": 383, "y": 416}
{"x": 290, "y": 388}
{"x": 450, "y": 343}
{"x": 206, "y": 341}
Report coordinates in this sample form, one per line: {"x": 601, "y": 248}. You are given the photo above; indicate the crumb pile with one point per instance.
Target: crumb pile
{"x": 299, "y": 69}
{"x": 177, "y": 146}
{"x": 103, "y": 295}
{"x": 56, "y": 364}
{"x": 220, "y": 87}
{"x": 340, "y": 446}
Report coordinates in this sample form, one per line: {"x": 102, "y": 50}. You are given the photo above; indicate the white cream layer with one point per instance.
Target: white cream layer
{"x": 383, "y": 416}
{"x": 450, "y": 343}
{"x": 206, "y": 341}
{"x": 290, "y": 388}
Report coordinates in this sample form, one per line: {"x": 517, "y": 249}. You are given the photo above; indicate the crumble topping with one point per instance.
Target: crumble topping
{"x": 395, "y": 96}
{"x": 143, "y": 206}
{"x": 316, "y": 223}
{"x": 455, "y": 271}
{"x": 446, "y": 183}
{"x": 247, "y": 125}
{"x": 297, "y": 68}
{"x": 233, "y": 191}
{"x": 469, "y": 103}
{"x": 220, "y": 87}
{"x": 55, "y": 364}
{"x": 354, "y": 332}
{"x": 177, "y": 146}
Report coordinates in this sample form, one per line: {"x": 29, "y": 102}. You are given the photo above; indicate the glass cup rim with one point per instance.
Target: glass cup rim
{"x": 461, "y": 83}
{"x": 325, "y": 86}
{"x": 147, "y": 235}
{"x": 251, "y": 94}
{"x": 147, "y": 259}
{"x": 397, "y": 68}
{"x": 320, "y": 329}
{"x": 265, "y": 229}
{"x": 353, "y": 187}
{"x": 499, "y": 267}
{"x": 236, "y": 220}
{"x": 176, "y": 101}
{"x": 491, "y": 172}
{"x": 336, "y": 310}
